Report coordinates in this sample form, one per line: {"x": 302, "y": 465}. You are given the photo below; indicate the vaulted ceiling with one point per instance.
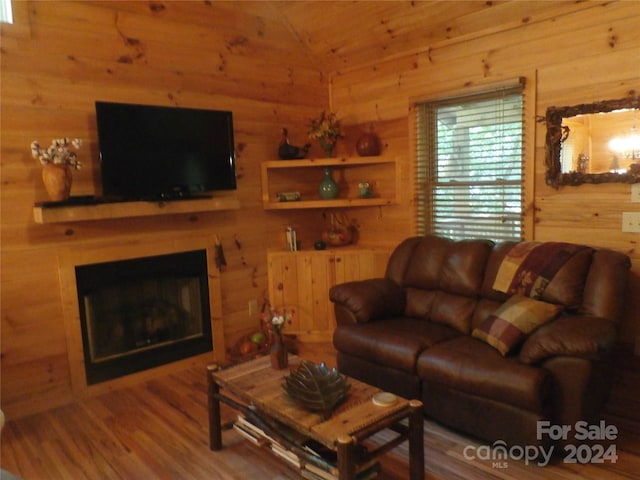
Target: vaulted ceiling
{"x": 337, "y": 35}
{"x": 342, "y": 34}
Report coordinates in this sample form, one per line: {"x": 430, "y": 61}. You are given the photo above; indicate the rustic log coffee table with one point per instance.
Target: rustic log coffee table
{"x": 255, "y": 390}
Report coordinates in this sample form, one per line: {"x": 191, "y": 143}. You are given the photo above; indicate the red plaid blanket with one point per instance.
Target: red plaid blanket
{"x": 529, "y": 266}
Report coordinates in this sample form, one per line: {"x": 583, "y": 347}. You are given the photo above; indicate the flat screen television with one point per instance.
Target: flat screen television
{"x": 164, "y": 153}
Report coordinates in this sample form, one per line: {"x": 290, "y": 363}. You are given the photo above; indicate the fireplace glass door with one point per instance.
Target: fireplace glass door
{"x": 140, "y": 313}
{"x": 126, "y": 319}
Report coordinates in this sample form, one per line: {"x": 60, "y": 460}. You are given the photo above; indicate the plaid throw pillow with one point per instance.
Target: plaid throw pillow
{"x": 510, "y": 324}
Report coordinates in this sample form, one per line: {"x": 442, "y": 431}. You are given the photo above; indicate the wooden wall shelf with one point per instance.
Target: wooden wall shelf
{"x": 304, "y": 176}
{"x": 339, "y": 202}
{"x": 108, "y": 211}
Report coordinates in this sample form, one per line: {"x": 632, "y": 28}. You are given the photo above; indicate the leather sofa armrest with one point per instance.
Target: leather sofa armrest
{"x": 365, "y": 300}
{"x": 569, "y": 335}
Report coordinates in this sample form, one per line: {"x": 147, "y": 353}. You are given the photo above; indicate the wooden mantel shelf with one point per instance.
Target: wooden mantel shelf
{"x": 107, "y": 211}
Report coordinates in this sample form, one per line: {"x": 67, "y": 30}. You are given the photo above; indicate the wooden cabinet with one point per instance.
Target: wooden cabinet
{"x": 301, "y": 280}
{"x": 304, "y": 177}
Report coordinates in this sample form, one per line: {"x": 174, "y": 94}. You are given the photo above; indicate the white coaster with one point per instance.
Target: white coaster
{"x": 384, "y": 399}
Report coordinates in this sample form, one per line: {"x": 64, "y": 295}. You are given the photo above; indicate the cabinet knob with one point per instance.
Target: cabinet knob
{"x": 280, "y": 286}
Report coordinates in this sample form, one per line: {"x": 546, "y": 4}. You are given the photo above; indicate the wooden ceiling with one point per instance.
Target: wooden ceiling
{"x": 343, "y": 34}
{"x": 333, "y": 36}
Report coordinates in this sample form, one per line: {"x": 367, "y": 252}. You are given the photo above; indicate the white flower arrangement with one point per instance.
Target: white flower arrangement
{"x": 274, "y": 320}
{"x": 59, "y": 153}
{"x": 278, "y": 322}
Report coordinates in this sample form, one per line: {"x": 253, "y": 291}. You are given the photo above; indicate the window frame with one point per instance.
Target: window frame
{"x": 21, "y": 26}
{"x": 420, "y": 175}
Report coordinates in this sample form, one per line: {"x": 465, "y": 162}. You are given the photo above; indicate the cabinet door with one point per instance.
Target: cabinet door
{"x": 301, "y": 280}
{"x": 315, "y": 273}
{"x": 359, "y": 265}
{"x": 283, "y": 283}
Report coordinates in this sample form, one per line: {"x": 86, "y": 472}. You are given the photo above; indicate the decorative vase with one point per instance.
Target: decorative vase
{"x": 57, "y": 180}
{"x": 368, "y": 145}
{"x": 278, "y": 353}
{"x": 340, "y": 231}
{"x": 328, "y": 147}
{"x": 328, "y": 187}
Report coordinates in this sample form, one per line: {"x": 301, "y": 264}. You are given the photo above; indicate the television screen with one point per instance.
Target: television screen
{"x": 155, "y": 152}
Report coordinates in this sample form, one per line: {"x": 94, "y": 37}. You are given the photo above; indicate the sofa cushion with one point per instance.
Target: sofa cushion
{"x": 469, "y": 365}
{"x": 394, "y": 342}
{"x": 454, "y": 311}
{"x": 443, "y": 280}
{"x": 606, "y": 280}
{"x": 571, "y": 335}
{"x": 419, "y": 302}
{"x": 567, "y": 285}
{"x": 369, "y": 299}
{"x": 453, "y": 266}
{"x": 423, "y": 269}
{"x": 400, "y": 259}
{"x": 512, "y": 322}
{"x": 464, "y": 265}
{"x": 551, "y": 271}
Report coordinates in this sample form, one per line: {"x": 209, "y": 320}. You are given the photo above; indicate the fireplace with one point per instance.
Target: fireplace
{"x": 141, "y": 313}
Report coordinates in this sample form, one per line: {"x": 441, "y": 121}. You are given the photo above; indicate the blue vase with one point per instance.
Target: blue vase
{"x": 328, "y": 187}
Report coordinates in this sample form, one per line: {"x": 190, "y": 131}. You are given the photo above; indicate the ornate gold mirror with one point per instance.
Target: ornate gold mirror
{"x": 594, "y": 143}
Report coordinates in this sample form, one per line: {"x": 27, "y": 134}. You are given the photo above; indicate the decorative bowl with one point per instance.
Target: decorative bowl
{"x": 316, "y": 387}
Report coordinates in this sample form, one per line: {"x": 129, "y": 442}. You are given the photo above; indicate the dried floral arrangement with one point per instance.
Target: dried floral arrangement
{"x": 58, "y": 153}
{"x": 326, "y": 129}
{"x": 326, "y": 126}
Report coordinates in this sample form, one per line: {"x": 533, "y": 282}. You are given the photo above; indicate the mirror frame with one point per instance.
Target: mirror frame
{"x": 556, "y": 134}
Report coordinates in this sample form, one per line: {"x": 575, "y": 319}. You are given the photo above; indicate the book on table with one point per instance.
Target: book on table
{"x": 245, "y": 427}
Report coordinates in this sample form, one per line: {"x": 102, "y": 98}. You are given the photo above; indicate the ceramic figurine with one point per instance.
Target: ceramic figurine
{"x": 286, "y": 151}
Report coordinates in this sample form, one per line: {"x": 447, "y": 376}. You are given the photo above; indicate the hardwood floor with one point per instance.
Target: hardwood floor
{"x": 158, "y": 430}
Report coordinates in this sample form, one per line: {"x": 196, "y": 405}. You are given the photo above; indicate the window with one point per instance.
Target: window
{"x": 469, "y": 154}
{"x": 6, "y": 14}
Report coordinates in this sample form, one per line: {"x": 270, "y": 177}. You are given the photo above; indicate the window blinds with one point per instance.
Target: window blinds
{"x": 469, "y": 172}
{"x": 6, "y": 13}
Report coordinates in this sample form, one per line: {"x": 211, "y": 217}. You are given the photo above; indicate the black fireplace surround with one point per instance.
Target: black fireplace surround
{"x": 142, "y": 313}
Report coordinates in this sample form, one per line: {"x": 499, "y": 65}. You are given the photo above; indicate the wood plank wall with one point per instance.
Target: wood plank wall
{"x": 243, "y": 56}
{"x": 59, "y": 59}
{"x": 578, "y": 56}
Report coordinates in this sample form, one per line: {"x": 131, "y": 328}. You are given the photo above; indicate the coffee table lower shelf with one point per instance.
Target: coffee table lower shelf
{"x": 317, "y": 449}
{"x": 306, "y": 456}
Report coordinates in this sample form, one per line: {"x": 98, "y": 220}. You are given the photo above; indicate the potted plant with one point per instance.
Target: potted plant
{"x": 326, "y": 129}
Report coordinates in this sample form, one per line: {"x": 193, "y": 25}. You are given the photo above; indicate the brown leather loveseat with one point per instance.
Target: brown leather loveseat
{"x": 492, "y": 337}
